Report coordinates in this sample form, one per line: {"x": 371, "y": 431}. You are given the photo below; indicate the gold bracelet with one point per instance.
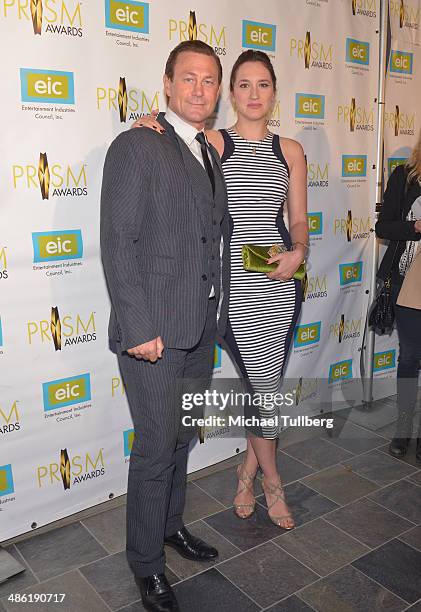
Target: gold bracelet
{"x": 306, "y": 246}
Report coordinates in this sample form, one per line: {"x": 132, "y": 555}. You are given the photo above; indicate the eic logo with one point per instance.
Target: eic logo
{"x": 6, "y": 480}
{"x": 128, "y": 438}
{"x": 385, "y": 360}
{"x": 354, "y": 165}
{"x": 66, "y": 392}
{"x": 127, "y": 15}
{"x": 341, "y": 370}
{"x": 357, "y": 51}
{"x": 305, "y": 335}
{"x": 401, "y": 62}
{"x": 350, "y": 273}
{"x": 393, "y": 162}
{"x": 258, "y": 35}
{"x": 57, "y": 245}
{"x": 47, "y": 86}
{"x": 310, "y": 106}
{"x": 315, "y": 223}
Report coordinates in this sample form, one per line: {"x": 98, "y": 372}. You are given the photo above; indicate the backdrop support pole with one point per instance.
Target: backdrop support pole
{"x": 370, "y": 335}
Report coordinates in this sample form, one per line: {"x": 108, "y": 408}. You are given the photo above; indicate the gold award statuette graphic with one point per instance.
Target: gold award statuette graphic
{"x": 65, "y": 468}
{"x": 354, "y": 6}
{"x": 122, "y": 99}
{"x": 397, "y": 112}
{"x": 341, "y": 327}
{"x": 307, "y": 50}
{"x": 55, "y": 327}
{"x": 352, "y": 114}
{"x": 349, "y": 226}
{"x": 36, "y": 14}
{"x": 401, "y": 14}
{"x": 192, "y": 26}
{"x": 44, "y": 176}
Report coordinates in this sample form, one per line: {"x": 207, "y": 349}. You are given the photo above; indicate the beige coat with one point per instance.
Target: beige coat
{"x": 410, "y": 293}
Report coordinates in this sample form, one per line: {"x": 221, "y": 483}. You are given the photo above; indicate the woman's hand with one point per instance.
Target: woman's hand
{"x": 149, "y": 121}
{"x": 288, "y": 264}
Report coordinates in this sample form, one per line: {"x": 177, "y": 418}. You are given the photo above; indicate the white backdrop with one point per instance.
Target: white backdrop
{"x": 65, "y": 429}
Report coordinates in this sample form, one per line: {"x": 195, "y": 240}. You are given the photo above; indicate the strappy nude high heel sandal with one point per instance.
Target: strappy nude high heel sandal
{"x": 244, "y": 511}
{"x": 285, "y": 521}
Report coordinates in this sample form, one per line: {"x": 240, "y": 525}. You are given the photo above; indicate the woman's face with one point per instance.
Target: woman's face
{"x": 253, "y": 94}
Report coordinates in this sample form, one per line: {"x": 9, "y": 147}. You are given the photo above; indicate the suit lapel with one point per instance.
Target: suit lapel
{"x": 196, "y": 174}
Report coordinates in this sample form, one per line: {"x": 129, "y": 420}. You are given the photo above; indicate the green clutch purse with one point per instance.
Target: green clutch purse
{"x": 255, "y": 255}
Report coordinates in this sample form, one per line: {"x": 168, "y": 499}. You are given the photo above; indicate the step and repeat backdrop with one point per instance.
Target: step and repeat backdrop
{"x": 78, "y": 73}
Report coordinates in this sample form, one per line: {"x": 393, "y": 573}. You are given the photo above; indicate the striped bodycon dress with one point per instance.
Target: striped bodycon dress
{"x": 263, "y": 311}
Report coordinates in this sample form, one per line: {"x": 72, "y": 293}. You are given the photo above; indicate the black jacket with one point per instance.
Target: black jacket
{"x": 397, "y": 201}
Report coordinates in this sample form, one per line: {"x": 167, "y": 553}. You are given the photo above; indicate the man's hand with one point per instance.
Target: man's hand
{"x": 149, "y": 351}
{"x": 417, "y": 226}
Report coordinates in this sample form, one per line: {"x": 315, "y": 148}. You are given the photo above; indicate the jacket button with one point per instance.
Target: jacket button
{"x": 203, "y": 239}
{"x": 204, "y": 277}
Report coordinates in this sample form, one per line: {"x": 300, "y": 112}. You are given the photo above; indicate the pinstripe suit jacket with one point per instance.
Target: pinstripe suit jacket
{"x": 157, "y": 214}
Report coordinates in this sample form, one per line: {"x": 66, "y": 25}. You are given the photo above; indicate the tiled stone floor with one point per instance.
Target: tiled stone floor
{"x": 356, "y": 547}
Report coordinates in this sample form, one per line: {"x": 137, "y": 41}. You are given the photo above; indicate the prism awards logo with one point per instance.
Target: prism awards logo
{"x": 350, "y": 273}
{"x": 357, "y": 54}
{"x": 315, "y": 226}
{"x": 316, "y": 287}
{"x": 4, "y": 274}
{"x": 70, "y": 471}
{"x": 407, "y": 12}
{"x": 402, "y": 123}
{"x": 307, "y": 335}
{"x": 128, "y": 439}
{"x": 68, "y": 330}
{"x": 384, "y": 361}
{"x": 180, "y": 30}
{"x": 317, "y": 175}
{"x": 358, "y": 118}
{"x": 129, "y": 102}
{"x": 341, "y": 370}
{"x": 401, "y": 63}
{"x": 52, "y": 180}
{"x": 128, "y": 15}
{"x": 345, "y": 329}
{"x": 365, "y": 8}
{"x": 7, "y": 487}
{"x": 65, "y": 392}
{"x": 312, "y": 53}
{"x": 256, "y": 35}
{"x": 9, "y": 419}
{"x": 47, "y": 86}
{"x": 217, "y": 357}
{"x": 393, "y": 162}
{"x": 56, "y": 17}
{"x": 354, "y": 228}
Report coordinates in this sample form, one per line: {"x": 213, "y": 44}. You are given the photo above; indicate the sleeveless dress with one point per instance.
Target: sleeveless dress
{"x": 263, "y": 311}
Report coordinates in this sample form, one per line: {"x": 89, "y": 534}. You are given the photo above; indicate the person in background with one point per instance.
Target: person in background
{"x": 263, "y": 173}
{"x": 400, "y": 222}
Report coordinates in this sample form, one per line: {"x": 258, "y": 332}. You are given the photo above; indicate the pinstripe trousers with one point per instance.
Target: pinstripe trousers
{"x": 158, "y": 462}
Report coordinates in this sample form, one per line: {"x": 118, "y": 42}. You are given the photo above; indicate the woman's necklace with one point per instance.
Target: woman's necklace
{"x": 256, "y": 145}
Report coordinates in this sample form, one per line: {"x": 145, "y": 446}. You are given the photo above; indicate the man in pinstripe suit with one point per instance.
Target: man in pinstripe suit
{"x": 164, "y": 219}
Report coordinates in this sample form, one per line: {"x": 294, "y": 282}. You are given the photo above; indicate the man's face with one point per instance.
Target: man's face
{"x": 194, "y": 89}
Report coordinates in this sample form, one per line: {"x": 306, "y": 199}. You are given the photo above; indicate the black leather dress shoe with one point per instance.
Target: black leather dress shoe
{"x": 157, "y": 594}
{"x": 399, "y": 447}
{"x": 190, "y": 547}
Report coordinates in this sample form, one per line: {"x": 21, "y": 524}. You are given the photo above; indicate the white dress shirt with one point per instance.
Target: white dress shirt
{"x": 188, "y": 133}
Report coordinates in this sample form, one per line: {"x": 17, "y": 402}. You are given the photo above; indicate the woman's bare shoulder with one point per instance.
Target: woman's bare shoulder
{"x": 291, "y": 147}
{"x": 216, "y": 139}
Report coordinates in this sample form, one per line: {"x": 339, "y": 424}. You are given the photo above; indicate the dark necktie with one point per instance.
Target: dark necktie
{"x": 200, "y": 137}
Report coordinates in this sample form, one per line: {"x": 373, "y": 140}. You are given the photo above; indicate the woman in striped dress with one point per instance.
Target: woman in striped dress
{"x": 263, "y": 173}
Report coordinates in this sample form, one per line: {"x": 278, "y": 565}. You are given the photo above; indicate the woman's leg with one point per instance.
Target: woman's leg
{"x": 408, "y": 322}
